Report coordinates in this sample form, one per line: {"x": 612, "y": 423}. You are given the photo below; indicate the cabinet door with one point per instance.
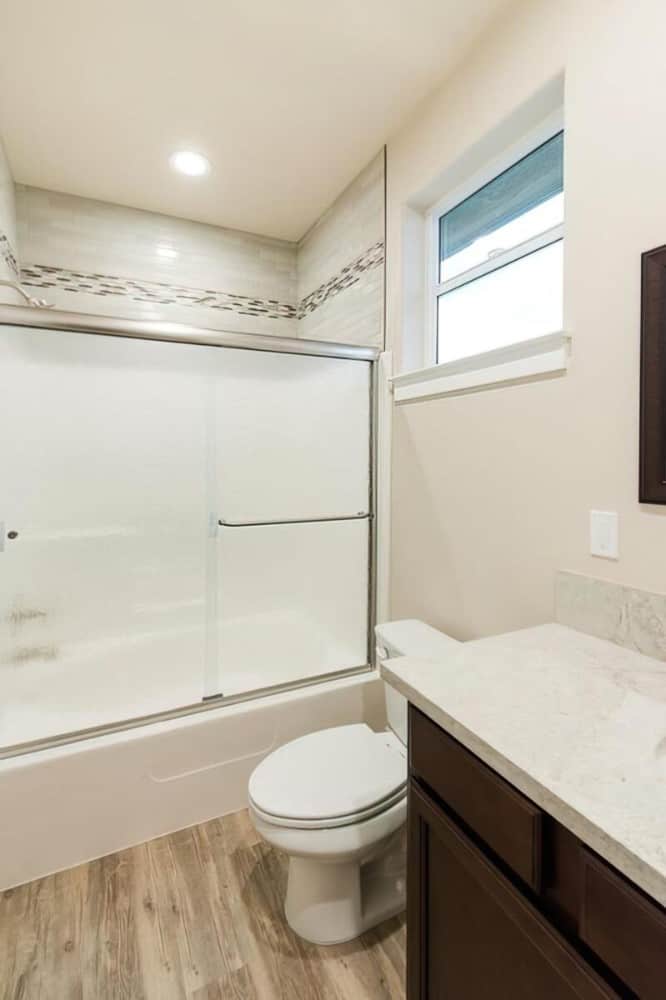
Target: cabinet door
{"x": 471, "y": 934}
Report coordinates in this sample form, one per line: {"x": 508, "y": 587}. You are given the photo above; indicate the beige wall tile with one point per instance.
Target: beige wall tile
{"x": 345, "y": 233}
{"x": 100, "y": 251}
{"x": 81, "y": 235}
{"x": 353, "y": 316}
{"x": 350, "y": 226}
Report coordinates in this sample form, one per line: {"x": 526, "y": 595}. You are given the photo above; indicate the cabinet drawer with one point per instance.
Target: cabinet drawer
{"x": 504, "y": 819}
{"x": 623, "y": 928}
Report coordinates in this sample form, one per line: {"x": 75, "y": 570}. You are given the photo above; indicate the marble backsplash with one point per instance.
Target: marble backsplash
{"x": 632, "y": 618}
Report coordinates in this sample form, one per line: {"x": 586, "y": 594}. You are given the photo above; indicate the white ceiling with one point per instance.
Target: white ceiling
{"x": 287, "y": 98}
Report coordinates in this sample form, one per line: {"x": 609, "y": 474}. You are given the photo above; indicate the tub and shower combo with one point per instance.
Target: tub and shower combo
{"x": 187, "y": 571}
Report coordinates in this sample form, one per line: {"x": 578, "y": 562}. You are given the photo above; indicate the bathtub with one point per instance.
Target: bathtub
{"x": 70, "y": 804}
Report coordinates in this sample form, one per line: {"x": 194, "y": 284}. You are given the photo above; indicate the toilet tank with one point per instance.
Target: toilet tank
{"x": 408, "y": 637}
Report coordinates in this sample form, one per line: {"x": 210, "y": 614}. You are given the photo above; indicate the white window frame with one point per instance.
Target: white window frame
{"x": 546, "y": 130}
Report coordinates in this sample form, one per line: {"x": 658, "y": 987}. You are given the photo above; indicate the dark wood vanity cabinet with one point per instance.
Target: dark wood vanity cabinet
{"x": 503, "y": 903}
{"x": 472, "y": 934}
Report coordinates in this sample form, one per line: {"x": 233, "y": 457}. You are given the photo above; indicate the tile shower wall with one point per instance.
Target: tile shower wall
{"x": 93, "y": 257}
{"x": 8, "y": 255}
{"x": 341, "y": 265}
{"x": 90, "y": 256}
{"x": 635, "y": 619}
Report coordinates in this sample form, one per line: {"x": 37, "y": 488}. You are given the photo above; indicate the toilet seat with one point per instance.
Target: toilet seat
{"x": 331, "y": 822}
{"x": 332, "y": 778}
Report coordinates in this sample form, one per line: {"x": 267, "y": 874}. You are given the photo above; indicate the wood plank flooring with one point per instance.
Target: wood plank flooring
{"x": 195, "y": 915}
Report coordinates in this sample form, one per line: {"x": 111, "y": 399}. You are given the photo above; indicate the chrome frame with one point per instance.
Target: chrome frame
{"x": 177, "y": 333}
{"x": 208, "y": 704}
{"x": 372, "y": 521}
{"x": 51, "y": 319}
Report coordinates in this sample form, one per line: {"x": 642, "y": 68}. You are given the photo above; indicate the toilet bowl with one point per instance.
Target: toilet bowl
{"x": 335, "y": 801}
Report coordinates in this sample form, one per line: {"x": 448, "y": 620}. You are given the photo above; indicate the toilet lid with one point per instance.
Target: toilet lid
{"x": 333, "y": 773}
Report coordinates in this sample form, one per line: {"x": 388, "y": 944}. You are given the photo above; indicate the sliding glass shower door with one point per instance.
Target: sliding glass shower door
{"x": 103, "y": 503}
{"x": 292, "y": 439}
{"x": 176, "y": 521}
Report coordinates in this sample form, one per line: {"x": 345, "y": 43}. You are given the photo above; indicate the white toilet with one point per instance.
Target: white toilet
{"x": 336, "y": 802}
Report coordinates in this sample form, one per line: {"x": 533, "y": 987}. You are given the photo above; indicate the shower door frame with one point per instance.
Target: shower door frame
{"x": 179, "y": 333}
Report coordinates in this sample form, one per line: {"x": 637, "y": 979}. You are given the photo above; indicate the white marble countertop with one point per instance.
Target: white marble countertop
{"x": 575, "y": 723}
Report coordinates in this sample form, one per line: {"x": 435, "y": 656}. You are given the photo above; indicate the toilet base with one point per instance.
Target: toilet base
{"x": 329, "y": 903}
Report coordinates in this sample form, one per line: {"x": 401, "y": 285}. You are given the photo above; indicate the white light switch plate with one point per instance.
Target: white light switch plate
{"x": 604, "y": 539}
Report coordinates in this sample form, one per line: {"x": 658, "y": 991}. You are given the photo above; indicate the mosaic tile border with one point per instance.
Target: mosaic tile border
{"x": 8, "y": 256}
{"x": 349, "y": 275}
{"x": 159, "y": 293}
{"x": 47, "y": 276}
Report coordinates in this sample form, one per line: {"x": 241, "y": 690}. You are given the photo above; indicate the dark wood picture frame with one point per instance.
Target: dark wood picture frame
{"x": 652, "y": 449}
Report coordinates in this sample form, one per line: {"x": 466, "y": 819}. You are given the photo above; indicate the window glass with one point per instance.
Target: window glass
{"x": 517, "y": 205}
{"x": 513, "y": 303}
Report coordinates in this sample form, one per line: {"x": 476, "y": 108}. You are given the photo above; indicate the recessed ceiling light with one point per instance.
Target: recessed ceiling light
{"x": 187, "y": 162}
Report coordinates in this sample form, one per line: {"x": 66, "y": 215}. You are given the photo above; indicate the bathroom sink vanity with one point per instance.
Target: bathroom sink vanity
{"x": 537, "y": 820}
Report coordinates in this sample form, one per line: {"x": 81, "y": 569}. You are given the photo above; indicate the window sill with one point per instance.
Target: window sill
{"x": 528, "y": 361}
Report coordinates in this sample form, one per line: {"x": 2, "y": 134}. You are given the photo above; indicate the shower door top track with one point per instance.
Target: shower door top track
{"x": 177, "y": 333}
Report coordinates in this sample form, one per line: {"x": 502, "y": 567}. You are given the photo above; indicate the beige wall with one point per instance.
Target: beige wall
{"x": 492, "y": 490}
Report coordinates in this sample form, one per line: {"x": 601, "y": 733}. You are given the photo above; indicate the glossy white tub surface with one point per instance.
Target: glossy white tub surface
{"x": 70, "y": 804}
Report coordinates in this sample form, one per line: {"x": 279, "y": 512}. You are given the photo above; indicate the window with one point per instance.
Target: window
{"x": 499, "y": 263}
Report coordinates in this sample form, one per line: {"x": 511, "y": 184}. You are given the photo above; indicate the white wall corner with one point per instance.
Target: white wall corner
{"x": 412, "y": 313}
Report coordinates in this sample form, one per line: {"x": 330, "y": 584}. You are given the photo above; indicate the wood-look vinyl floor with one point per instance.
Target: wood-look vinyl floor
{"x": 195, "y": 915}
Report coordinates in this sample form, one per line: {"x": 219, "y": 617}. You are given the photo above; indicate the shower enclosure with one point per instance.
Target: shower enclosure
{"x": 186, "y": 519}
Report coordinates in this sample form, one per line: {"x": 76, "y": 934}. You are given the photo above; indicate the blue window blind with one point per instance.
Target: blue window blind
{"x": 525, "y": 185}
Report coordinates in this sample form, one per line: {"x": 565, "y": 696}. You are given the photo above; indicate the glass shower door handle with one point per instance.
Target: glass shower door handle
{"x": 360, "y": 516}
{"x": 6, "y": 536}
